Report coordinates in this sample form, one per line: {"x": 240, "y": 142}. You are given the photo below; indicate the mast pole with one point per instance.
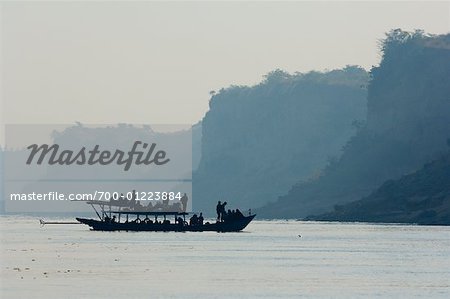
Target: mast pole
{"x": 96, "y": 212}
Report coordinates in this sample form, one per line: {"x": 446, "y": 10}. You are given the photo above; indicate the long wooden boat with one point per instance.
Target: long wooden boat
{"x": 141, "y": 220}
{"x": 231, "y": 225}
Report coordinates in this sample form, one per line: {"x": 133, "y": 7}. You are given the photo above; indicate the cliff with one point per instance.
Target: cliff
{"x": 258, "y": 141}
{"x": 408, "y": 123}
{"x": 422, "y": 197}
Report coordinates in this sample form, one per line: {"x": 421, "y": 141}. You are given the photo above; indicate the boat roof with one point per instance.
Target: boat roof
{"x": 118, "y": 204}
{"x": 105, "y": 203}
{"x": 149, "y": 213}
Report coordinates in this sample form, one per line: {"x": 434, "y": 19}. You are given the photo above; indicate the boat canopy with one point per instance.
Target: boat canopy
{"x": 105, "y": 203}
{"x": 150, "y": 213}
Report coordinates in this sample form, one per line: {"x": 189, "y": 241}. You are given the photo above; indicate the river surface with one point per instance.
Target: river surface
{"x": 270, "y": 259}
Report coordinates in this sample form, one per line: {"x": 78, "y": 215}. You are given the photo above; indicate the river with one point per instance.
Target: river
{"x": 287, "y": 259}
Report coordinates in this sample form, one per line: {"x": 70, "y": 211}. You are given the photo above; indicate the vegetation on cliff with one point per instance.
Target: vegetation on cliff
{"x": 258, "y": 141}
{"x": 408, "y": 124}
{"x": 422, "y": 197}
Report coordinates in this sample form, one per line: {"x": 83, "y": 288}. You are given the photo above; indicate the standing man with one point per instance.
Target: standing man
{"x": 219, "y": 210}
{"x": 200, "y": 219}
{"x": 184, "y": 201}
{"x": 223, "y": 211}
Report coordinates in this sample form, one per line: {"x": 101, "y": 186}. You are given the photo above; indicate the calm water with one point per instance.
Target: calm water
{"x": 268, "y": 260}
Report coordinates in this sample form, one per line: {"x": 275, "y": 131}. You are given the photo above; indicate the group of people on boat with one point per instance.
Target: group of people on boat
{"x": 223, "y": 215}
{"x": 196, "y": 220}
{"x": 132, "y": 204}
{"x": 109, "y": 219}
{"x": 138, "y": 220}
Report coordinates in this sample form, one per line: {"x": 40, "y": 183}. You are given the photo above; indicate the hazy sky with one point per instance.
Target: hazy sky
{"x": 154, "y": 62}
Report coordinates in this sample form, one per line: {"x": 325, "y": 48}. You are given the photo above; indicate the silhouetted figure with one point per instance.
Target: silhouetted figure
{"x": 193, "y": 220}
{"x": 200, "y": 219}
{"x": 158, "y": 206}
{"x": 184, "y": 200}
{"x": 223, "y": 212}
{"x": 165, "y": 203}
{"x": 113, "y": 219}
{"x": 138, "y": 206}
{"x": 239, "y": 214}
{"x": 219, "y": 209}
{"x": 149, "y": 207}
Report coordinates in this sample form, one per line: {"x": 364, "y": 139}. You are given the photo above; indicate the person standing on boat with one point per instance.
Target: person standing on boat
{"x": 200, "y": 219}
{"x": 184, "y": 200}
{"x": 219, "y": 210}
{"x": 224, "y": 212}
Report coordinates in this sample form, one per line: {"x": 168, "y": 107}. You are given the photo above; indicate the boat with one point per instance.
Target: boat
{"x": 142, "y": 222}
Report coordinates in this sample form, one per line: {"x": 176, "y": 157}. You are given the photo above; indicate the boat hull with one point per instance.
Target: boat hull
{"x": 231, "y": 226}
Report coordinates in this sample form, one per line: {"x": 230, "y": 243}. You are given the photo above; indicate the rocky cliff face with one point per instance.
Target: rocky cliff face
{"x": 258, "y": 141}
{"x": 408, "y": 123}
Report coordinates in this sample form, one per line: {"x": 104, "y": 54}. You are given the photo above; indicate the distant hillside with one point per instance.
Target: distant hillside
{"x": 422, "y": 197}
{"x": 258, "y": 141}
{"x": 176, "y": 138}
{"x": 408, "y": 123}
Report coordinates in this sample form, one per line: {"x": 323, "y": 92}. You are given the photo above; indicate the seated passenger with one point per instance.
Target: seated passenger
{"x": 193, "y": 220}
{"x": 239, "y": 214}
{"x": 228, "y": 216}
